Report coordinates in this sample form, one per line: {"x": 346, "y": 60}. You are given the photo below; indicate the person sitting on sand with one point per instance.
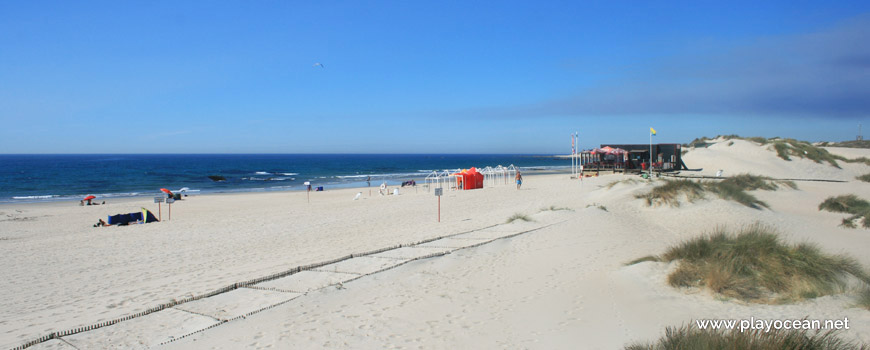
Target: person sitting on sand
{"x": 101, "y": 223}
{"x": 519, "y": 178}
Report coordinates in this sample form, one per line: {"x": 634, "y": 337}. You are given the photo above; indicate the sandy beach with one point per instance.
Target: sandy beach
{"x": 560, "y": 283}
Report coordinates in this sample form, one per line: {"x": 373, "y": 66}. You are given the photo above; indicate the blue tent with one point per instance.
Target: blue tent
{"x": 140, "y": 217}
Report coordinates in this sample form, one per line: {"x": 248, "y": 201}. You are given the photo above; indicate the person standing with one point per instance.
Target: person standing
{"x": 519, "y": 178}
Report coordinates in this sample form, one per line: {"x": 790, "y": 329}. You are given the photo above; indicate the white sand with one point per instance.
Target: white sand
{"x": 562, "y": 286}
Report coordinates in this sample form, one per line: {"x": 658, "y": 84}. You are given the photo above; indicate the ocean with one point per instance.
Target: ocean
{"x": 35, "y": 178}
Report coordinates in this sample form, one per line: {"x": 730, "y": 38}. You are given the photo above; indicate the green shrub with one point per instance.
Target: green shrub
{"x": 865, "y": 177}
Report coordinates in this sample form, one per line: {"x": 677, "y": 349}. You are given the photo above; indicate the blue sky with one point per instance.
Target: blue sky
{"x": 424, "y": 77}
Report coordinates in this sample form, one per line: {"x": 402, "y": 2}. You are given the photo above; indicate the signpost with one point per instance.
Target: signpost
{"x": 438, "y": 192}
{"x": 159, "y": 200}
{"x": 169, "y": 202}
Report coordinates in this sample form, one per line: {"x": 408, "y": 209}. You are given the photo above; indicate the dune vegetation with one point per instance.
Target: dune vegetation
{"x": 865, "y": 177}
{"x": 864, "y": 299}
{"x": 788, "y": 148}
{"x": 521, "y": 217}
{"x": 693, "y": 338}
{"x": 555, "y": 208}
{"x": 733, "y": 188}
{"x": 849, "y": 204}
{"x": 753, "y": 265}
{"x": 628, "y": 181}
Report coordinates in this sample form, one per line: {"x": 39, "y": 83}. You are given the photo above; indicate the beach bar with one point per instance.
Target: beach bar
{"x": 633, "y": 158}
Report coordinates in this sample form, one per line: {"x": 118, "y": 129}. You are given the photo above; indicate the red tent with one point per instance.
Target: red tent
{"x": 471, "y": 179}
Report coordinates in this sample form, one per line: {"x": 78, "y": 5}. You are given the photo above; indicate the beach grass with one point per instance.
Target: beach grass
{"x": 687, "y": 337}
{"x": 731, "y": 191}
{"x": 849, "y": 144}
{"x": 730, "y": 138}
{"x": 652, "y": 258}
{"x": 863, "y": 160}
{"x": 671, "y": 191}
{"x": 864, "y": 298}
{"x": 865, "y": 177}
{"x": 733, "y": 188}
{"x": 787, "y": 148}
{"x": 555, "y": 208}
{"x": 753, "y": 265}
{"x": 596, "y": 205}
{"x": 849, "y": 204}
{"x": 629, "y": 181}
{"x": 518, "y": 216}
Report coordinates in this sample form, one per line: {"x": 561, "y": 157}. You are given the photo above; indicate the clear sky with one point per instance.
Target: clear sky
{"x": 424, "y": 76}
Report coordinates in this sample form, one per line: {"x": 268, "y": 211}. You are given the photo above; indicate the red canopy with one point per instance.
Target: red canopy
{"x": 89, "y": 198}
{"x": 166, "y": 191}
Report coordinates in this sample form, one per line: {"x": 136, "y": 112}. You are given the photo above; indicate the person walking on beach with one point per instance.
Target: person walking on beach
{"x": 519, "y": 178}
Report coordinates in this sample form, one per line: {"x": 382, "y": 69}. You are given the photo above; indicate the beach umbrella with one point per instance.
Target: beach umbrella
{"x": 166, "y": 191}
{"x": 89, "y": 198}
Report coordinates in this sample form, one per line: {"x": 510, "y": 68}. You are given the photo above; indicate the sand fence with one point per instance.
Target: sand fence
{"x": 180, "y": 319}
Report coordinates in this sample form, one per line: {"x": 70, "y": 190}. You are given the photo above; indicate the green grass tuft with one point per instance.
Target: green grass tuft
{"x": 758, "y": 140}
{"x": 864, "y": 160}
{"x": 733, "y": 188}
{"x": 518, "y": 216}
{"x": 787, "y": 148}
{"x": 555, "y": 208}
{"x": 599, "y": 206}
{"x": 652, "y": 258}
{"x": 731, "y": 191}
{"x": 687, "y": 337}
{"x": 851, "y": 144}
{"x": 629, "y": 181}
{"x": 848, "y": 203}
{"x": 749, "y": 182}
{"x": 865, "y": 177}
{"x": 754, "y": 265}
{"x": 671, "y": 191}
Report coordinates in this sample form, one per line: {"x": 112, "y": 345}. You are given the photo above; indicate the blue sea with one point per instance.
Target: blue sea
{"x": 34, "y": 178}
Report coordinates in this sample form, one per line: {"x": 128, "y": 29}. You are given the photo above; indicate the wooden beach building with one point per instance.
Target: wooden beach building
{"x": 633, "y": 158}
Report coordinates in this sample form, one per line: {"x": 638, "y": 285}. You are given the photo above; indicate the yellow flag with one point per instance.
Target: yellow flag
{"x": 651, "y": 130}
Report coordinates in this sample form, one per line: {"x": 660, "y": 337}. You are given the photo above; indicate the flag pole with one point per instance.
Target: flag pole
{"x": 650, "y": 153}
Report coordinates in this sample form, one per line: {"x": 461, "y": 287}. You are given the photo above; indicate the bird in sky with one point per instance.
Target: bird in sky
{"x": 318, "y": 64}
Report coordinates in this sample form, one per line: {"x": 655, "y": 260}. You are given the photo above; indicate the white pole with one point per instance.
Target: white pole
{"x": 650, "y": 154}
{"x": 574, "y": 154}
